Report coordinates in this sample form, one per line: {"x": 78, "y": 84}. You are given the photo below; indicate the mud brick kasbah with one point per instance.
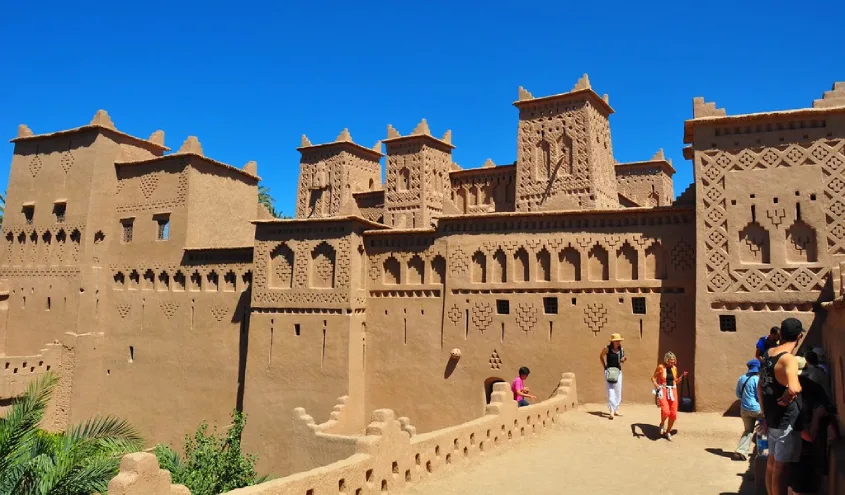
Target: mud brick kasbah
{"x": 160, "y": 292}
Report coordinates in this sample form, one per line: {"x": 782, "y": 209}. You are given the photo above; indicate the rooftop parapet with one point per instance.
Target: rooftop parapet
{"x": 420, "y": 131}
{"x": 343, "y": 140}
{"x": 707, "y": 113}
{"x": 581, "y": 88}
{"x": 102, "y": 121}
{"x": 658, "y": 160}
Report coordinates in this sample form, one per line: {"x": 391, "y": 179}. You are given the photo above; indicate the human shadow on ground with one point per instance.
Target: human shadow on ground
{"x": 651, "y": 432}
{"x": 720, "y": 452}
{"x": 600, "y": 414}
{"x": 748, "y": 485}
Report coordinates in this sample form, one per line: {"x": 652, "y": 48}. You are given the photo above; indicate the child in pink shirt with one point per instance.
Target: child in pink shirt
{"x": 520, "y": 391}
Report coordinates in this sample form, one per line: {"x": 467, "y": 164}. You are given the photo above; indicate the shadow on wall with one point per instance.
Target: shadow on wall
{"x": 242, "y": 316}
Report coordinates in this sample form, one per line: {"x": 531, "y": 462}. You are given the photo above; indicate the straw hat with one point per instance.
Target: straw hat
{"x": 616, "y": 337}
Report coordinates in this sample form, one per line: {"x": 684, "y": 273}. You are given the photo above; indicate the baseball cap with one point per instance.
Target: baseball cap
{"x": 791, "y": 328}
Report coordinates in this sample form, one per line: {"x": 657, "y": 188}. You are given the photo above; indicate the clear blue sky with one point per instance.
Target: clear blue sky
{"x": 248, "y": 78}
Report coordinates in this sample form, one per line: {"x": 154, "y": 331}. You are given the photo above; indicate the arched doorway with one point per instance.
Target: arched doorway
{"x": 488, "y": 387}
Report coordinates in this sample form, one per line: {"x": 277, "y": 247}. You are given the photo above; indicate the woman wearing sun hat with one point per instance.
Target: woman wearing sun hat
{"x": 611, "y": 358}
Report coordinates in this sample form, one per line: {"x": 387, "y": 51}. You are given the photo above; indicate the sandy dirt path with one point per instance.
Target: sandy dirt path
{"x": 590, "y": 454}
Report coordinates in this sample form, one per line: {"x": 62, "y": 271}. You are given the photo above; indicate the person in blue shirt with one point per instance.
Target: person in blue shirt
{"x": 766, "y": 342}
{"x": 746, "y": 392}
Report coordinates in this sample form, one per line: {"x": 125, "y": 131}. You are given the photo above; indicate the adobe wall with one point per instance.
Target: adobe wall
{"x": 768, "y": 227}
{"x": 215, "y": 223}
{"x": 592, "y": 265}
{"x": 306, "y": 332}
{"x": 390, "y": 454}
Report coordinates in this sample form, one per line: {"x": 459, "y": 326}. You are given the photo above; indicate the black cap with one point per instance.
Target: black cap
{"x": 790, "y": 329}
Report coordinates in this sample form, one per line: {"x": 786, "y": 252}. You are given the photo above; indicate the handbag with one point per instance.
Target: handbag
{"x": 612, "y": 375}
{"x": 686, "y": 404}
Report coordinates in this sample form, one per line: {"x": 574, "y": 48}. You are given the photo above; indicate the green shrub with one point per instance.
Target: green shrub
{"x": 213, "y": 463}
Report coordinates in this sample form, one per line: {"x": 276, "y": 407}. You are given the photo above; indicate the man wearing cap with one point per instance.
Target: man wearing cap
{"x": 746, "y": 392}
{"x": 778, "y": 388}
{"x": 611, "y": 358}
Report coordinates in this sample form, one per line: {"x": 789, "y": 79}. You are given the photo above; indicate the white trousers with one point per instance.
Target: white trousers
{"x": 614, "y": 394}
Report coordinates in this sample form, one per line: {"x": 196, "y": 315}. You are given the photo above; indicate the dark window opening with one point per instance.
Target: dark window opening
{"x": 727, "y": 323}
{"x": 59, "y": 210}
{"x": 503, "y": 307}
{"x": 574, "y": 301}
{"x": 28, "y": 213}
{"x": 550, "y": 305}
{"x": 296, "y": 328}
{"x": 638, "y": 305}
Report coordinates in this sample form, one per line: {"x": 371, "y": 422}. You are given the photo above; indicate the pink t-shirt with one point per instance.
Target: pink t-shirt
{"x": 516, "y": 386}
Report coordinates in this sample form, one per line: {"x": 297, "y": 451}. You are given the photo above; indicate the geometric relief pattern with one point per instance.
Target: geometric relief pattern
{"x": 482, "y": 315}
{"x": 667, "y": 317}
{"x": 595, "y": 316}
{"x": 495, "y": 361}
{"x": 803, "y": 279}
{"x": 716, "y": 164}
{"x": 526, "y": 316}
{"x": 218, "y": 312}
{"x": 454, "y": 314}
{"x": 123, "y": 309}
{"x": 169, "y": 308}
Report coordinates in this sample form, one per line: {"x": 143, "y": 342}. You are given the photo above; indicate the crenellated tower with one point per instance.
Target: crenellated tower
{"x": 330, "y": 173}
{"x": 564, "y": 154}
{"x": 417, "y": 177}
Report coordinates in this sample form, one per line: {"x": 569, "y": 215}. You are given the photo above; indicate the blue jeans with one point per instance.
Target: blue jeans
{"x": 522, "y": 402}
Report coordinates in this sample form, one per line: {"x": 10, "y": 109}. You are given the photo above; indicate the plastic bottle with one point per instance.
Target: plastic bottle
{"x": 762, "y": 441}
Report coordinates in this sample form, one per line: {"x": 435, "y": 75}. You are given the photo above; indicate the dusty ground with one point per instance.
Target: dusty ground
{"x": 590, "y": 454}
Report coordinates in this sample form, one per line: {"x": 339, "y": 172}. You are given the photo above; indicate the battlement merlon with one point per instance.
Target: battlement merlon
{"x": 101, "y": 122}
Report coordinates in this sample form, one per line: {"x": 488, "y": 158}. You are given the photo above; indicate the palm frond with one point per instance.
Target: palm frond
{"x": 19, "y": 428}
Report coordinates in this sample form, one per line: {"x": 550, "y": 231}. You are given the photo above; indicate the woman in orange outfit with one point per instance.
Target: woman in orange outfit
{"x": 666, "y": 381}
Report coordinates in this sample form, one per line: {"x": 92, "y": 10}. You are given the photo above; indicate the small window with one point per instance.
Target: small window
{"x": 503, "y": 307}
{"x": 28, "y": 213}
{"x": 128, "y": 224}
{"x": 163, "y": 222}
{"x": 727, "y": 323}
{"x": 638, "y": 305}
{"x": 59, "y": 210}
{"x": 550, "y": 305}
{"x": 574, "y": 301}
{"x": 296, "y": 328}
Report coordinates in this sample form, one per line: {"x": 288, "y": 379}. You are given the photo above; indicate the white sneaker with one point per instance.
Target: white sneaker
{"x": 669, "y": 436}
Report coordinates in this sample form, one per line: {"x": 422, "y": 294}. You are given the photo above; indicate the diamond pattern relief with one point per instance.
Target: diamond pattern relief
{"x": 770, "y": 157}
{"x": 713, "y": 173}
{"x": 67, "y": 161}
{"x": 836, "y": 185}
{"x": 35, "y": 165}
{"x": 779, "y": 279}
{"x": 754, "y": 280}
{"x": 454, "y": 314}
{"x": 746, "y": 158}
{"x": 795, "y": 155}
{"x": 820, "y": 152}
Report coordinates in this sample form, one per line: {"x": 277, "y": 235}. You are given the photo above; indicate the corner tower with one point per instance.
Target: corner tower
{"x": 564, "y": 155}
{"x": 330, "y": 173}
{"x": 417, "y": 177}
